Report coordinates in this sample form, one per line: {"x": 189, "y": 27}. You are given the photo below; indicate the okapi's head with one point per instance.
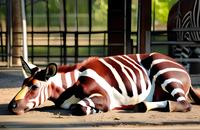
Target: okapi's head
{"x": 34, "y": 90}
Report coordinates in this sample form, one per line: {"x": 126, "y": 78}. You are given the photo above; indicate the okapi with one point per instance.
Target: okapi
{"x": 124, "y": 82}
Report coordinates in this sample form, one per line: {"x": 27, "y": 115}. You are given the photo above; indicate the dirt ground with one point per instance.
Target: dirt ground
{"x": 50, "y": 117}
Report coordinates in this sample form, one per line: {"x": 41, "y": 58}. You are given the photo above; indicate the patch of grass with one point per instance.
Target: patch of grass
{"x": 70, "y": 51}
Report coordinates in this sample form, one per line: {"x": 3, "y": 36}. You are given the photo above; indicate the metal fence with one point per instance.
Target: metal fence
{"x": 157, "y": 41}
{"x": 62, "y": 46}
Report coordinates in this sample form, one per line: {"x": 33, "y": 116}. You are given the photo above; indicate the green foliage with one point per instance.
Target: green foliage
{"x": 2, "y": 13}
{"x": 99, "y": 13}
{"x": 161, "y": 9}
{"x": 134, "y": 9}
{"x": 99, "y": 9}
{"x": 54, "y": 6}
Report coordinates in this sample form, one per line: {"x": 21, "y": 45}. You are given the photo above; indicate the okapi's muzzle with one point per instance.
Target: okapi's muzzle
{"x": 17, "y": 104}
{"x": 16, "y": 107}
{"x": 12, "y": 105}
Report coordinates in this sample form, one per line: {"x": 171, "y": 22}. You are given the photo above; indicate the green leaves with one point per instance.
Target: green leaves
{"x": 161, "y": 9}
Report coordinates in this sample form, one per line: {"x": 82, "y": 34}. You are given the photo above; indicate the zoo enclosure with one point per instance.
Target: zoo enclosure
{"x": 66, "y": 44}
{"x": 53, "y": 37}
{"x": 157, "y": 40}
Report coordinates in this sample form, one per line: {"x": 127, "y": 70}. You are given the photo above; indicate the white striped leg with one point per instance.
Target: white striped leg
{"x": 96, "y": 103}
{"x": 178, "y": 94}
{"x": 89, "y": 106}
{"x": 147, "y": 106}
{"x": 180, "y": 106}
{"x": 171, "y": 106}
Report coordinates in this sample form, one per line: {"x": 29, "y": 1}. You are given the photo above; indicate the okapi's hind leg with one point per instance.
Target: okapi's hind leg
{"x": 179, "y": 106}
{"x": 96, "y": 103}
{"x": 147, "y": 106}
{"x": 166, "y": 106}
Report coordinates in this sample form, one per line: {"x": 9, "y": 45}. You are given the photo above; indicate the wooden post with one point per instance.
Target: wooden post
{"x": 144, "y": 23}
{"x": 9, "y": 30}
{"x": 16, "y": 25}
{"x": 119, "y": 26}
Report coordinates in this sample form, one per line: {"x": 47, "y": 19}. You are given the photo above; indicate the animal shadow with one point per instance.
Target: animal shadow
{"x": 53, "y": 109}
{"x": 4, "y": 109}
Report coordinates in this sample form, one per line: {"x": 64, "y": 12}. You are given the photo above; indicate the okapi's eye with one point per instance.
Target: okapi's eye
{"x": 34, "y": 87}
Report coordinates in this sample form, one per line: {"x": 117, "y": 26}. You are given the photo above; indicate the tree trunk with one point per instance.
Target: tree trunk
{"x": 17, "y": 41}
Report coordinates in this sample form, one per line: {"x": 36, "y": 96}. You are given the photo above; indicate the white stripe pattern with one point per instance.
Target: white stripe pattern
{"x": 140, "y": 68}
{"x": 41, "y": 97}
{"x": 117, "y": 76}
{"x": 128, "y": 76}
{"x": 167, "y": 70}
{"x": 168, "y": 81}
{"x": 181, "y": 99}
{"x": 141, "y": 86}
{"x": 117, "y": 98}
{"x": 177, "y": 90}
{"x": 104, "y": 84}
{"x": 68, "y": 79}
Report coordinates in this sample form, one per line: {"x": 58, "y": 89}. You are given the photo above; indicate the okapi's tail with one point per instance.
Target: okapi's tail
{"x": 194, "y": 95}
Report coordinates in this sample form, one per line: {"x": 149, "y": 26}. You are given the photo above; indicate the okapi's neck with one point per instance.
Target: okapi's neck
{"x": 64, "y": 79}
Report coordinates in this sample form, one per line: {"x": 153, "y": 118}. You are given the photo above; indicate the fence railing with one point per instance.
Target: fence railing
{"x": 191, "y": 64}
{"x": 61, "y": 47}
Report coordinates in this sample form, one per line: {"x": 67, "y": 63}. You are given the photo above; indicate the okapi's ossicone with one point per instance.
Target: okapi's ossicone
{"x": 139, "y": 82}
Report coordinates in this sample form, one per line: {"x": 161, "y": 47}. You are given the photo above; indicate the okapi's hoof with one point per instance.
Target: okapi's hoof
{"x": 78, "y": 110}
{"x": 182, "y": 106}
{"x": 141, "y": 107}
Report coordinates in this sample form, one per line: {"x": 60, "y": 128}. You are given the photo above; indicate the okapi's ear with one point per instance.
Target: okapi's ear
{"x": 27, "y": 67}
{"x": 51, "y": 70}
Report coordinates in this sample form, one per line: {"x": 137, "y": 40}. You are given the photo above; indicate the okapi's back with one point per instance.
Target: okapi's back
{"x": 122, "y": 72}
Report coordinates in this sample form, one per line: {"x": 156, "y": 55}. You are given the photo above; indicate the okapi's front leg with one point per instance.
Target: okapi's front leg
{"x": 94, "y": 99}
{"x": 68, "y": 97}
{"x": 96, "y": 103}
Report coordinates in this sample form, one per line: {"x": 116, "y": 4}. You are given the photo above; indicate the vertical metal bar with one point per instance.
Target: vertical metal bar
{"x": 9, "y": 31}
{"x": 48, "y": 34}
{"x": 127, "y": 22}
{"x": 1, "y": 41}
{"x": 1, "y": 38}
{"x": 90, "y": 23}
{"x": 104, "y": 43}
{"x": 76, "y": 14}
{"x": 154, "y": 14}
{"x": 25, "y": 49}
{"x": 61, "y": 31}
{"x": 148, "y": 42}
{"x": 125, "y": 40}
{"x": 32, "y": 47}
{"x": 65, "y": 33}
{"x": 139, "y": 26}
{"x": 76, "y": 47}
{"x": 76, "y": 34}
